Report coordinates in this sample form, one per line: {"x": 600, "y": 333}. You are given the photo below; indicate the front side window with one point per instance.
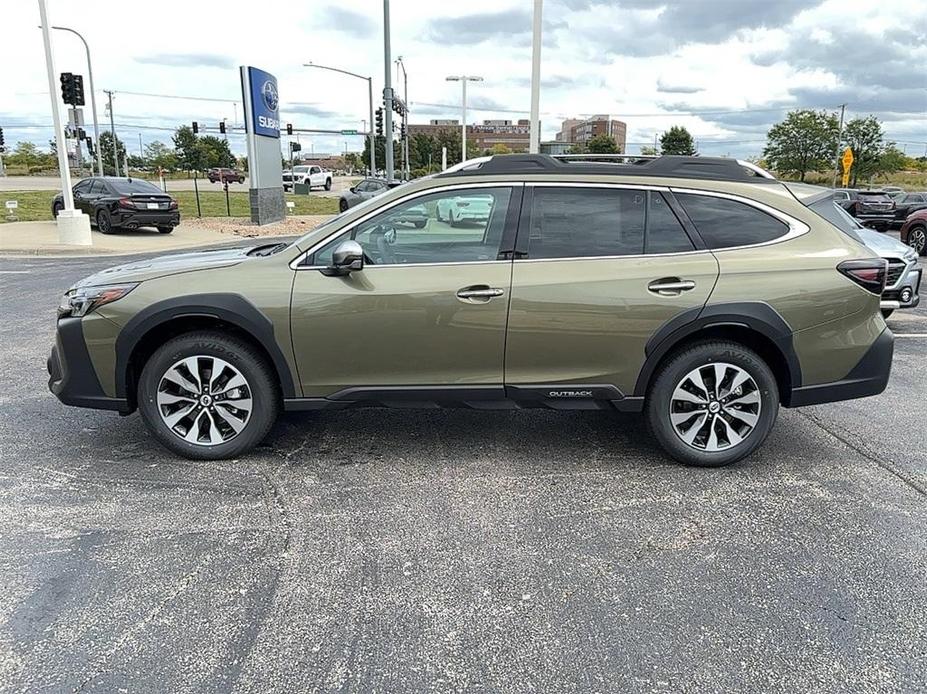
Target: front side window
{"x": 724, "y": 223}
{"x": 573, "y": 222}
{"x": 456, "y": 226}
{"x": 83, "y": 187}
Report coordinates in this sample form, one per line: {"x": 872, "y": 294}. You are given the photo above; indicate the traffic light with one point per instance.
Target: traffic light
{"x": 295, "y": 147}
{"x": 72, "y": 89}
{"x": 2, "y": 141}
{"x": 90, "y": 146}
{"x": 380, "y": 122}
{"x": 222, "y": 127}
{"x": 289, "y": 128}
{"x": 81, "y": 135}
{"x": 402, "y": 131}
{"x": 196, "y": 127}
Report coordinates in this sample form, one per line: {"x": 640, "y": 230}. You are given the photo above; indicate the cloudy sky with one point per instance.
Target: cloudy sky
{"x": 726, "y": 69}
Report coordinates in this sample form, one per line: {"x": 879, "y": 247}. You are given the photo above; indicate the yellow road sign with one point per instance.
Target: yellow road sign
{"x": 846, "y": 178}
{"x": 847, "y": 159}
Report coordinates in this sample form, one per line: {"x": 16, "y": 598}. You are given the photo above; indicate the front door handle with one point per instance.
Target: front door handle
{"x": 670, "y": 286}
{"x": 478, "y": 293}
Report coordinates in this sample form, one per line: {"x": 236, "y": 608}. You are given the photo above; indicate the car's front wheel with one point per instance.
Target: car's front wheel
{"x": 328, "y": 184}
{"x": 165, "y": 230}
{"x": 917, "y": 239}
{"x": 712, "y": 403}
{"x": 343, "y": 205}
{"x": 208, "y": 396}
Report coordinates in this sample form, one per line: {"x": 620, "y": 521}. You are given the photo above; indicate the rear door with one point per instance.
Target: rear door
{"x": 599, "y": 269}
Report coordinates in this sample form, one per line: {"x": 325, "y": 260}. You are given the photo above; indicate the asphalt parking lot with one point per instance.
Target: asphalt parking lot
{"x": 451, "y": 550}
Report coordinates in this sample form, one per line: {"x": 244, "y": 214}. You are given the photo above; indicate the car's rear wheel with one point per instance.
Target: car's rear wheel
{"x": 208, "y": 396}
{"x": 328, "y": 184}
{"x": 104, "y": 222}
{"x": 712, "y": 404}
{"x": 917, "y": 239}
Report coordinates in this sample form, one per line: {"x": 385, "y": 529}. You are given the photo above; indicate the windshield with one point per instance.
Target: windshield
{"x": 301, "y": 169}
{"x": 135, "y": 186}
{"x": 836, "y": 215}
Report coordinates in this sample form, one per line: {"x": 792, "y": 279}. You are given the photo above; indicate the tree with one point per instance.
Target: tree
{"x": 649, "y": 151}
{"x": 189, "y": 155}
{"x": 893, "y": 159}
{"x": 602, "y": 144}
{"x": 677, "y": 140}
{"x": 159, "y": 156}
{"x": 864, "y": 136}
{"x": 106, "y": 151}
{"x": 499, "y": 148}
{"x": 805, "y": 141}
{"x": 25, "y": 154}
{"x": 215, "y": 152}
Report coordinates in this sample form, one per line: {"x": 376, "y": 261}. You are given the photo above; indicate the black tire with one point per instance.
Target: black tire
{"x": 165, "y": 230}
{"x": 56, "y": 208}
{"x": 328, "y": 184}
{"x": 260, "y": 377}
{"x": 674, "y": 370}
{"x": 343, "y": 205}
{"x": 917, "y": 239}
{"x": 886, "y": 312}
{"x": 104, "y": 222}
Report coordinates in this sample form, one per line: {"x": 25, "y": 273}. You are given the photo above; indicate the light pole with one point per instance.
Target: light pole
{"x": 372, "y": 135}
{"x": 463, "y": 79}
{"x": 387, "y": 95}
{"x": 534, "y": 145}
{"x": 93, "y": 96}
{"x": 405, "y": 117}
{"x": 112, "y": 127}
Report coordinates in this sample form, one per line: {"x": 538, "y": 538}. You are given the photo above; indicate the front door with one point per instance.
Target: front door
{"x": 427, "y": 312}
{"x": 601, "y": 270}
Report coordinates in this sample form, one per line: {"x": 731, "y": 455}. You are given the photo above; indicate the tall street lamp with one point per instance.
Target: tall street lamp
{"x": 372, "y": 135}
{"x": 93, "y": 96}
{"x": 463, "y": 79}
{"x": 405, "y": 115}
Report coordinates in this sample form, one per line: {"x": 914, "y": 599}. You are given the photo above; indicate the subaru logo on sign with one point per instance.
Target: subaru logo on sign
{"x": 269, "y": 92}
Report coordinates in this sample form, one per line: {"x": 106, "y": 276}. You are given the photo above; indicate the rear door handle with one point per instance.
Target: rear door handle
{"x": 478, "y": 293}
{"x": 670, "y": 286}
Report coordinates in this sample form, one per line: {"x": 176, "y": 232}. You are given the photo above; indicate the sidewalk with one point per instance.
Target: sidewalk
{"x": 41, "y": 238}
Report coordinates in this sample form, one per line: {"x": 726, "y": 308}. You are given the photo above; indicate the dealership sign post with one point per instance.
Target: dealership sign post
{"x": 262, "y": 128}
{"x": 847, "y": 165}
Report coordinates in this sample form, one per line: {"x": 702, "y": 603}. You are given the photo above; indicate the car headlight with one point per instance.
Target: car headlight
{"x": 80, "y": 301}
{"x": 910, "y": 256}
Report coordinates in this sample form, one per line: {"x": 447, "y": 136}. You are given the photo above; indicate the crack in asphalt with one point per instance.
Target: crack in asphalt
{"x": 886, "y": 464}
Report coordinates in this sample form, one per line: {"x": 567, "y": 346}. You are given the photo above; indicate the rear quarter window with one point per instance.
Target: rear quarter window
{"x": 724, "y": 223}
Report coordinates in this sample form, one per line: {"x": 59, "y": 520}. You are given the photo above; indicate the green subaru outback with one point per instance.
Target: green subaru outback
{"x": 698, "y": 291}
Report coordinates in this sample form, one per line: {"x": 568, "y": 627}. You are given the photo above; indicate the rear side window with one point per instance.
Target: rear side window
{"x": 724, "y": 223}
{"x": 586, "y": 222}
{"x": 665, "y": 233}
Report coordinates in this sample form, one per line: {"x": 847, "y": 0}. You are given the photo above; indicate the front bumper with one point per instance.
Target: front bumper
{"x": 868, "y": 377}
{"x": 71, "y": 377}
{"x": 905, "y": 293}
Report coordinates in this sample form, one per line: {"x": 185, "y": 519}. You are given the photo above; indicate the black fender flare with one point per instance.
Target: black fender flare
{"x": 229, "y": 308}
{"x": 757, "y": 316}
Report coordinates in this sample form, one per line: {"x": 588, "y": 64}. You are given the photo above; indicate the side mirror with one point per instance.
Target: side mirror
{"x": 348, "y": 257}
{"x": 353, "y": 189}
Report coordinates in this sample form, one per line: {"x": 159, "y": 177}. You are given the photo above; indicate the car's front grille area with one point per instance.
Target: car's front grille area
{"x": 895, "y": 271}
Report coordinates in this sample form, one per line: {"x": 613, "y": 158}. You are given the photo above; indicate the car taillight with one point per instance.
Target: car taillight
{"x": 127, "y": 203}
{"x": 868, "y": 274}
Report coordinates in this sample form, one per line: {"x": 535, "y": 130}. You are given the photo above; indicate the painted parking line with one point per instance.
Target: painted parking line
{"x": 15, "y": 272}
{"x": 910, "y": 334}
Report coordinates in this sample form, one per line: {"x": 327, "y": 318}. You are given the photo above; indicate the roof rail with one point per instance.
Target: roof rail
{"x": 666, "y": 166}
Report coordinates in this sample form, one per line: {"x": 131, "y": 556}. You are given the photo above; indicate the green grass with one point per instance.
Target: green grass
{"x": 36, "y": 205}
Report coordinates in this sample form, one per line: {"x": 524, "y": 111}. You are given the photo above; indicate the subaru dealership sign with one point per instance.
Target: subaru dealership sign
{"x": 262, "y": 127}
{"x": 265, "y": 102}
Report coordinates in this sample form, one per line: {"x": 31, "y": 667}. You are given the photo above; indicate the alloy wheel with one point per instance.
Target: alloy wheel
{"x": 917, "y": 240}
{"x": 715, "y": 407}
{"x": 204, "y": 400}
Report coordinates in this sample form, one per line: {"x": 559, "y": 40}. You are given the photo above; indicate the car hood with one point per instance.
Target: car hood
{"x": 150, "y": 268}
{"x": 882, "y": 243}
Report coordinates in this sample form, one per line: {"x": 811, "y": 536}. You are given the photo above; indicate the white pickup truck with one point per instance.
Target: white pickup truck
{"x": 315, "y": 176}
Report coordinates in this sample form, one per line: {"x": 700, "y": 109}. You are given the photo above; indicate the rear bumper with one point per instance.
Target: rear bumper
{"x": 71, "y": 377}
{"x": 165, "y": 218}
{"x": 868, "y": 377}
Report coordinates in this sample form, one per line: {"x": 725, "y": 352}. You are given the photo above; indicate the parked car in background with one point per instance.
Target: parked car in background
{"x": 694, "y": 290}
{"x": 906, "y": 203}
{"x": 903, "y": 278}
{"x": 363, "y": 190}
{"x": 311, "y": 175}
{"x": 122, "y": 203}
{"x": 914, "y": 231}
{"x": 873, "y": 208}
{"x": 222, "y": 175}
{"x": 464, "y": 208}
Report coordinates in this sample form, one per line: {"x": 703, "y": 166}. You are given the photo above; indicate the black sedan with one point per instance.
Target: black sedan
{"x": 123, "y": 203}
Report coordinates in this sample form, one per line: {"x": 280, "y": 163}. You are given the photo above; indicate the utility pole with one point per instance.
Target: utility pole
{"x": 405, "y": 118}
{"x": 141, "y": 155}
{"x": 839, "y": 138}
{"x": 463, "y": 79}
{"x": 534, "y": 145}
{"x": 73, "y": 225}
{"x": 387, "y": 95}
{"x": 112, "y": 128}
